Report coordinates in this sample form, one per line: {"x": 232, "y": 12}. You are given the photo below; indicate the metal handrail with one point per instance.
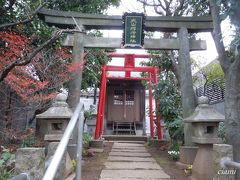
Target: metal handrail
{"x": 77, "y": 119}
{"x": 227, "y": 162}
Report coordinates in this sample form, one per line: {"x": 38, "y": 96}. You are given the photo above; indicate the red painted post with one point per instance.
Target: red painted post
{"x": 103, "y": 100}
{"x": 150, "y": 106}
{"x": 101, "y": 104}
{"x": 159, "y": 130}
{"x": 99, "y": 114}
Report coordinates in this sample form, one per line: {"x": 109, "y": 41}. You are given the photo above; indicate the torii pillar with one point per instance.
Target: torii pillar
{"x": 75, "y": 83}
{"x": 188, "y": 151}
{"x": 187, "y": 92}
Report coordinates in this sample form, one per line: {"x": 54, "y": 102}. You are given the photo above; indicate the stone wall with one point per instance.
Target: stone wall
{"x": 30, "y": 161}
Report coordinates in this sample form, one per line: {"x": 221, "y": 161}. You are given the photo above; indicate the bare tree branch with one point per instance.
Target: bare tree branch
{"x": 10, "y": 6}
{"x": 32, "y": 16}
{"x": 167, "y": 4}
{"x": 146, "y": 3}
{"x": 217, "y": 37}
{"x": 28, "y": 59}
{"x": 179, "y": 10}
{"x": 158, "y": 9}
{"x": 144, "y": 8}
{"x": 161, "y": 5}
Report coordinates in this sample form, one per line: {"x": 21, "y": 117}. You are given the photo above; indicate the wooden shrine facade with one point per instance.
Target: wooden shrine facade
{"x": 126, "y": 96}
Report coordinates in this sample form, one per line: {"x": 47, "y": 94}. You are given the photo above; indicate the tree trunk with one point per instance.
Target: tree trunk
{"x": 75, "y": 84}
{"x": 8, "y": 113}
{"x": 232, "y": 87}
{"x": 232, "y": 109}
{"x": 186, "y": 85}
{"x": 95, "y": 95}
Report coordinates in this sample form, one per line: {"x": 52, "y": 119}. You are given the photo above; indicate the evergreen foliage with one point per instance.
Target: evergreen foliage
{"x": 168, "y": 94}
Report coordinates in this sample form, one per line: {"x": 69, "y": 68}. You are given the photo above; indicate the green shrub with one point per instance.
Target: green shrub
{"x": 5, "y": 174}
{"x": 222, "y": 131}
{"x": 174, "y": 149}
{"x": 86, "y": 138}
{"x": 5, "y": 156}
{"x": 28, "y": 142}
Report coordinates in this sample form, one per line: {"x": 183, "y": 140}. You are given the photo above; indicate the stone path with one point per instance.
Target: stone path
{"x": 131, "y": 161}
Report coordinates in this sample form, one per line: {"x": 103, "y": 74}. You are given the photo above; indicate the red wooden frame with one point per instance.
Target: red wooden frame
{"x": 129, "y": 66}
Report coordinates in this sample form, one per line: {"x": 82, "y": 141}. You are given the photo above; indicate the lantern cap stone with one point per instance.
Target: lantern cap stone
{"x": 204, "y": 113}
{"x": 58, "y": 110}
{"x": 61, "y": 97}
{"x": 203, "y": 100}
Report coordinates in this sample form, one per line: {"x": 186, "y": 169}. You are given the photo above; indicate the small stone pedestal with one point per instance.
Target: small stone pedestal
{"x": 205, "y": 122}
{"x": 91, "y": 125}
{"x": 91, "y": 121}
{"x": 98, "y": 144}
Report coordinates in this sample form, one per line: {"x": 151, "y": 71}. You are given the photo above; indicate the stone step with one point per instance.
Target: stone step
{"x": 140, "y": 174}
{"x": 127, "y": 145}
{"x": 132, "y": 154}
{"x": 135, "y": 179}
{"x": 136, "y": 142}
{"x": 128, "y": 150}
{"x": 129, "y": 159}
{"x": 125, "y": 138}
{"x": 131, "y": 165}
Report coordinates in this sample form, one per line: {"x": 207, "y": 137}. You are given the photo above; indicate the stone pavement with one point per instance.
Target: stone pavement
{"x": 131, "y": 161}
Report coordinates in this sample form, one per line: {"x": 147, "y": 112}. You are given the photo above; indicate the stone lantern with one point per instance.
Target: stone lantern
{"x": 205, "y": 121}
{"x": 52, "y": 123}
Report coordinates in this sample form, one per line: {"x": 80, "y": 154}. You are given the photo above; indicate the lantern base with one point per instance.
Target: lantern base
{"x": 201, "y": 140}
{"x": 203, "y": 163}
{"x": 187, "y": 154}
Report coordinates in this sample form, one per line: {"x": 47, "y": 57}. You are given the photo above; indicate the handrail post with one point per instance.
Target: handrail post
{"x": 79, "y": 146}
{"x": 227, "y": 162}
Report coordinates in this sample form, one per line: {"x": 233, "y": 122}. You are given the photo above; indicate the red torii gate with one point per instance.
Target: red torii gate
{"x": 129, "y": 66}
